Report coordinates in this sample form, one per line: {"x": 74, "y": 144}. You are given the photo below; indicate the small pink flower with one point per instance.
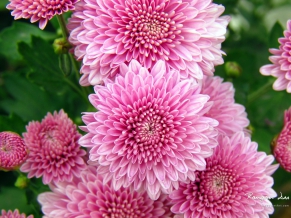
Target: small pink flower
{"x": 150, "y": 130}
{"x": 281, "y": 60}
{"x": 231, "y": 116}
{"x": 54, "y": 150}
{"x": 14, "y": 214}
{"x": 236, "y": 183}
{"x": 282, "y": 144}
{"x": 39, "y": 10}
{"x": 89, "y": 197}
{"x": 186, "y": 34}
{"x": 13, "y": 151}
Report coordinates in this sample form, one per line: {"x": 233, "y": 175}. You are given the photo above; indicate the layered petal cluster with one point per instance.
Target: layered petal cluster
{"x": 55, "y": 153}
{"x": 281, "y": 62}
{"x": 282, "y": 145}
{"x": 237, "y": 182}
{"x": 39, "y": 10}
{"x": 150, "y": 130}
{"x": 13, "y": 214}
{"x": 231, "y": 116}
{"x": 13, "y": 151}
{"x": 187, "y": 34}
{"x": 89, "y": 197}
{"x": 167, "y": 204}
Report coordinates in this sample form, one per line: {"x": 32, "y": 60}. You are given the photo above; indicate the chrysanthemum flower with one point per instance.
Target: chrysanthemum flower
{"x": 231, "y": 116}
{"x": 13, "y": 151}
{"x": 89, "y": 197}
{"x": 281, "y": 60}
{"x": 13, "y": 214}
{"x": 236, "y": 183}
{"x": 39, "y": 10}
{"x": 282, "y": 144}
{"x": 54, "y": 150}
{"x": 187, "y": 34}
{"x": 150, "y": 129}
{"x": 167, "y": 204}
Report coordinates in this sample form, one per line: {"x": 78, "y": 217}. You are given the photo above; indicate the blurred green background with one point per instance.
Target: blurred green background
{"x": 29, "y": 88}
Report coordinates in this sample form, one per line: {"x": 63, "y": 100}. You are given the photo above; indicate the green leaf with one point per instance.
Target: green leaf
{"x": 27, "y": 100}
{"x": 275, "y": 34}
{"x": 19, "y": 32}
{"x": 12, "y": 123}
{"x": 55, "y": 23}
{"x": 281, "y": 14}
{"x": 3, "y": 4}
{"x": 263, "y": 138}
{"x": 44, "y": 63}
{"x": 45, "y": 68}
{"x": 12, "y": 198}
{"x": 266, "y": 115}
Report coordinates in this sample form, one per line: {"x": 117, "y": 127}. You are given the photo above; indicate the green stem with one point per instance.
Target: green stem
{"x": 62, "y": 24}
{"x": 77, "y": 71}
{"x": 83, "y": 92}
{"x": 76, "y": 67}
{"x": 77, "y": 89}
{"x": 262, "y": 90}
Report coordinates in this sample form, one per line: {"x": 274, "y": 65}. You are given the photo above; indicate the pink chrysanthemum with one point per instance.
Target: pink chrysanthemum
{"x": 236, "y": 183}
{"x": 13, "y": 151}
{"x": 150, "y": 129}
{"x": 39, "y": 10}
{"x": 55, "y": 153}
{"x": 281, "y": 60}
{"x": 187, "y": 34}
{"x": 282, "y": 144}
{"x": 167, "y": 204}
{"x": 89, "y": 197}
{"x": 13, "y": 214}
{"x": 231, "y": 116}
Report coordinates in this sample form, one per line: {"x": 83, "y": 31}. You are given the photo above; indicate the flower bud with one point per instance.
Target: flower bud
{"x": 13, "y": 151}
{"x": 21, "y": 182}
{"x": 281, "y": 144}
{"x": 65, "y": 64}
{"x": 61, "y": 46}
{"x": 232, "y": 69}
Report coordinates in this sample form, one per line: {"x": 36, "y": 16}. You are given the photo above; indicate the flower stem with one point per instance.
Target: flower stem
{"x": 83, "y": 92}
{"x": 77, "y": 89}
{"x": 262, "y": 90}
{"x": 62, "y": 24}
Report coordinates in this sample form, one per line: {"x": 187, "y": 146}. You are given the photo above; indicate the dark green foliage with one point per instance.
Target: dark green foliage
{"x": 276, "y": 33}
{"x": 19, "y": 32}
{"x": 44, "y": 64}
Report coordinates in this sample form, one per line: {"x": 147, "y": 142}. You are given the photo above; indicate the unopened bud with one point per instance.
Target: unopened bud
{"x": 232, "y": 69}
{"x": 13, "y": 151}
{"x": 21, "y": 182}
{"x": 61, "y": 46}
{"x": 65, "y": 64}
{"x": 281, "y": 144}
